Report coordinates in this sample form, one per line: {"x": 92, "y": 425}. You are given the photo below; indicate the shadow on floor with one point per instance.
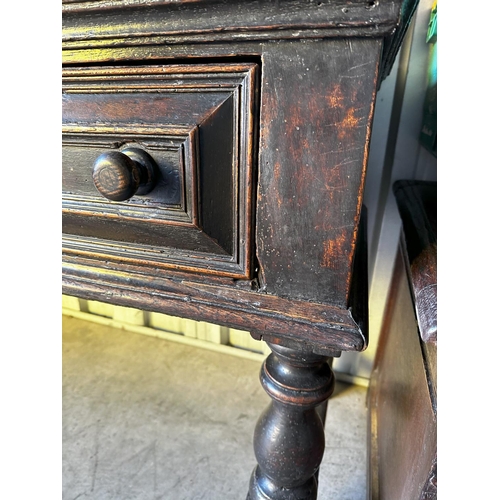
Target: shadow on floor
{"x": 148, "y": 419}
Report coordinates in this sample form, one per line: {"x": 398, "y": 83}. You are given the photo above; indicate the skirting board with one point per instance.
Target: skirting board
{"x": 182, "y": 339}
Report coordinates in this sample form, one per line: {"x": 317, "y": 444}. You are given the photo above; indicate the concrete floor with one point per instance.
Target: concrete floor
{"x": 148, "y": 419}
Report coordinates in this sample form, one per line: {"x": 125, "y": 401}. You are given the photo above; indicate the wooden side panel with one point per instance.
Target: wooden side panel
{"x": 417, "y": 205}
{"x": 317, "y": 107}
{"x": 403, "y": 421}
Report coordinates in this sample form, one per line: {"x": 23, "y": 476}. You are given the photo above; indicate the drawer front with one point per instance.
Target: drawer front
{"x": 195, "y": 124}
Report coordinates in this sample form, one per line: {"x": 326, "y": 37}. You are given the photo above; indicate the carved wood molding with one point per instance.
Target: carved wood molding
{"x": 236, "y": 304}
{"x": 213, "y": 21}
{"x": 197, "y": 123}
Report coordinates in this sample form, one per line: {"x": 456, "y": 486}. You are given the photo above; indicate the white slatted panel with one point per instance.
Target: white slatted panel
{"x": 212, "y": 333}
{"x": 129, "y": 315}
{"x": 165, "y": 322}
{"x": 200, "y": 330}
{"x": 196, "y": 333}
{"x": 243, "y": 340}
{"x": 100, "y": 308}
{"x": 71, "y": 303}
{"x": 189, "y": 329}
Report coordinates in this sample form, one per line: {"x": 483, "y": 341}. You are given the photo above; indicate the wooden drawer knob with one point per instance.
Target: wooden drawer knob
{"x": 120, "y": 175}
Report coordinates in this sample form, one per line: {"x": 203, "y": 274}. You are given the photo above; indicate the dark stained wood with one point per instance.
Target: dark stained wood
{"x": 196, "y": 122}
{"x": 318, "y": 256}
{"x": 110, "y": 234}
{"x": 403, "y": 386}
{"x": 289, "y": 439}
{"x": 169, "y": 154}
{"x": 325, "y": 328}
{"x": 402, "y": 411}
{"x": 116, "y": 176}
{"x": 417, "y": 205}
{"x": 406, "y": 10}
{"x": 403, "y": 389}
{"x": 313, "y": 154}
{"x": 358, "y": 295}
{"x": 104, "y": 23}
{"x": 258, "y": 115}
{"x": 174, "y": 155}
{"x": 119, "y": 175}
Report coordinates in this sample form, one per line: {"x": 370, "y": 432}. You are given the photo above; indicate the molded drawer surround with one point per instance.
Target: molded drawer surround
{"x": 198, "y": 124}
{"x": 272, "y": 242}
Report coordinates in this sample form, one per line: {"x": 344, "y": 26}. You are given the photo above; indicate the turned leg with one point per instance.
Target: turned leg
{"x": 289, "y": 440}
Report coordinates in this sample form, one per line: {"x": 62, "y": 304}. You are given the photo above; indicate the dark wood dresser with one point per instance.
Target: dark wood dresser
{"x": 214, "y": 157}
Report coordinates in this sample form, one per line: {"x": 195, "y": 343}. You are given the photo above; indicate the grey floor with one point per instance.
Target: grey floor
{"x": 148, "y": 419}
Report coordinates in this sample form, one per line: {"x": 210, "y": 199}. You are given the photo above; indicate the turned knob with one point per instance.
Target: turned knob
{"x": 120, "y": 175}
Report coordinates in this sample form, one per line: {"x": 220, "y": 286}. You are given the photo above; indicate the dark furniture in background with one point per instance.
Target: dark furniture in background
{"x": 403, "y": 386}
{"x": 214, "y": 157}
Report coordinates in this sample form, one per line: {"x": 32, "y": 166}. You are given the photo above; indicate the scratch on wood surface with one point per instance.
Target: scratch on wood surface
{"x": 359, "y": 65}
{"x": 351, "y": 77}
{"x": 329, "y": 252}
{"x": 345, "y": 162}
{"x": 337, "y": 151}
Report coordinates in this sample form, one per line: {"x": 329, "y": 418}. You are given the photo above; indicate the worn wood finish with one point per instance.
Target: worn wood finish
{"x": 403, "y": 387}
{"x": 120, "y": 175}
{"x": 313, "y": 154}
{"x": 210, "y": 21}
{"x": 289, "y": 439}
{"x": 258, "y": 115}
{"x": 309, "y": 171}
{"x": 402, "y": 411}
{"x": 323, "y": 327}
{"x": 417, "y": 205}
{"x": 197, "y": 122}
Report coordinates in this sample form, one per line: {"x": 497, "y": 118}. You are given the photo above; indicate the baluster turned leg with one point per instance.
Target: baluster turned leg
{"x": 289, "y": 440}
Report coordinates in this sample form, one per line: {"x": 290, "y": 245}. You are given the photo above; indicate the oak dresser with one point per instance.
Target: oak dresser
{"x": 214, "y": 157}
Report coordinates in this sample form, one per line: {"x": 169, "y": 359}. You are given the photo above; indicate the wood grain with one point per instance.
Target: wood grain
{"x": 212, "y": 21}
{"x": 315, "y": 325}
{"x": 417, "y": 205}
{"x": 313, "y": 154}
{"x": 196, "y": 122}
{"x": 403, "y": 416}
{"x": 311, "y": 112}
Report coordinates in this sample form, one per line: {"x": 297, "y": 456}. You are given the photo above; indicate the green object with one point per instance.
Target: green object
{"x": 432, "y": 29}
{"x": 428, "y": 132}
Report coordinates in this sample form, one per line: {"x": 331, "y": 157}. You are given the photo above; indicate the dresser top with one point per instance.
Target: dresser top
{"x": 107, "y": 22}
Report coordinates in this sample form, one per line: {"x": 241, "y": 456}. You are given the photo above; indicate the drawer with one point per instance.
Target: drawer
{"x": 189, "y": 131}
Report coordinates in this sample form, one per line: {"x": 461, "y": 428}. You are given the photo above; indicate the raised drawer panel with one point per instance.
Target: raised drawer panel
{"x": 196, "y": 122}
